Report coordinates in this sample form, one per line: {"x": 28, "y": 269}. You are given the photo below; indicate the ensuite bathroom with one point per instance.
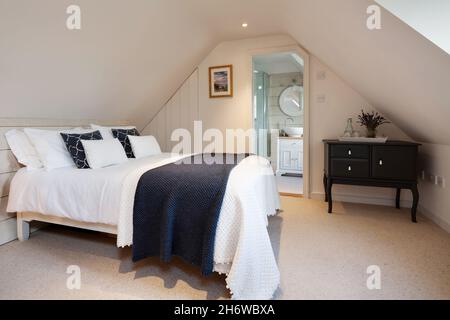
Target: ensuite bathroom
{"x": 278, "y": 116}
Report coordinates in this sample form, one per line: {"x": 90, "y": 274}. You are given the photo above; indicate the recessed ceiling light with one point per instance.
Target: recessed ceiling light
{"x": 245, "y": 25}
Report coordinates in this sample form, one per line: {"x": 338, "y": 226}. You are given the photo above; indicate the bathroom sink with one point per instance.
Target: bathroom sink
{"x": 293, "y": 131}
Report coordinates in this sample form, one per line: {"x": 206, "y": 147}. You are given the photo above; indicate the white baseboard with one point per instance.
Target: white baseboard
{"x": 437, "y": 220}
{"x": 8, "y": 230}
{"x": 381, "y": 201}
{"x": 384, "y": 202}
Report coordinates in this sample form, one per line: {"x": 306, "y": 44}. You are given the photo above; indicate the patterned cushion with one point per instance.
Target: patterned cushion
{"x": 122, "y": 135}
{"x": 75, "y": 147}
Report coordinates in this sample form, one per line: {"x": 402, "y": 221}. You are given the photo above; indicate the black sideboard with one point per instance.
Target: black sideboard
{"x": 391, "y": 165}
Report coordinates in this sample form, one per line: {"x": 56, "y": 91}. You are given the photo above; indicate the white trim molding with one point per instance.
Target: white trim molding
{"x": 8, "y": 230}
{"x": 346, "y": 197}
{"x": 431, "y": 216}
{"x": 384, "y": 201}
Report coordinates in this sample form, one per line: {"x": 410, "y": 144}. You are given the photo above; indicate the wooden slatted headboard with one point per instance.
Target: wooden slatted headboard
{"x": 9, "y": 164}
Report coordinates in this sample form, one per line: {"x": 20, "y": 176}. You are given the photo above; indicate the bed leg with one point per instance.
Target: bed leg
{"x": 23, "y": 228}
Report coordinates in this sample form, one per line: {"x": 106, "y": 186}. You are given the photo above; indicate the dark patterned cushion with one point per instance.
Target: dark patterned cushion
{"x": 122, "y": 135}
{"x": 75, "y": 147}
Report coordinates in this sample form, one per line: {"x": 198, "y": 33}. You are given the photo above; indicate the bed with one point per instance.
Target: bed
{"x": 103, "y": 199}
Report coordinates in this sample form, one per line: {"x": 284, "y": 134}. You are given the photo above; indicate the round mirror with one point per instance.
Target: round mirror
{"x": 291, "y": 101}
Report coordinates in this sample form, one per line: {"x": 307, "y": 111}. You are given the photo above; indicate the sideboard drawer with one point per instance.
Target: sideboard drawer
{"x": 352, "y": 168}
{"x": 350, "y": 151}
{"x": 394, "y": 162}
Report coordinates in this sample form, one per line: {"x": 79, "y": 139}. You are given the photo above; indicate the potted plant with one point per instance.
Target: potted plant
{"x": 371, "y": 121}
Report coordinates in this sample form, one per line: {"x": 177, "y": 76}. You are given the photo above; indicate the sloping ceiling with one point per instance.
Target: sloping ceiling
{"x": 430, "y": 18}
{"x": 401, "y": 73}
{"x": 127, "y": 59}
{"x": 130, "y": 56}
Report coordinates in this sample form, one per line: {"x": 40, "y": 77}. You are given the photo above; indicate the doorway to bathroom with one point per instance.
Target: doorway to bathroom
{"x": 278, "y": 116}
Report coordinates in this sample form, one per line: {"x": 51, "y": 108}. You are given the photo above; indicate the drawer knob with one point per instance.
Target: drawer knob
{"x": 349, "y": 152}
{"x": 349, "y": 168}
{"x": 380, "y": 162}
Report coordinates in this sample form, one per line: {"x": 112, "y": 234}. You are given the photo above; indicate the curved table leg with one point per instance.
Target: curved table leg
{"x": 325, "y": 186}
{"x": 330, "y": 198}
{"x": 415, "y": 193}
{"x": 397, "y": 198}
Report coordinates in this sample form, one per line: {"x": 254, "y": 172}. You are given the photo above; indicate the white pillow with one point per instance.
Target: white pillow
{"x": 103, "y": 153}
{"x": 51, "y": 148}
{"x": 144, "y": 146}
{"x": 106, "y": 131}
{"x": 23, "y": 149}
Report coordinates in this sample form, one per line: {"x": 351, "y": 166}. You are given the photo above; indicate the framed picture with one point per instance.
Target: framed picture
{"x": 221, "y": 81}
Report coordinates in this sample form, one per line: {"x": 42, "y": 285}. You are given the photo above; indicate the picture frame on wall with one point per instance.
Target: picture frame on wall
{"x": 221, "y": 81}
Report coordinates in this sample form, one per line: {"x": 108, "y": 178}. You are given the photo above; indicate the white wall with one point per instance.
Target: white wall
{"x": 435, "y": 200}
{"x": 327, "y": 119}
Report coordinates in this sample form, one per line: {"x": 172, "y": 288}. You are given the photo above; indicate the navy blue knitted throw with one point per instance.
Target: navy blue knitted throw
{"x": 177, "y": 207}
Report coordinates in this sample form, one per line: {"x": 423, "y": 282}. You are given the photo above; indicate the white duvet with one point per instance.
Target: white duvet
{"x": 242, "y": 246}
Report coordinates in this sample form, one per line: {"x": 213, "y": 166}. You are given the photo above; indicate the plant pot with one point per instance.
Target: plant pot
{"x": 371, "y": 133}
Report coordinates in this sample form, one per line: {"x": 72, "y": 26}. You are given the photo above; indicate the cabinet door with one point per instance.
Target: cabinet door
{"x": 299, "y": 164}
{"x": 286, "y": 159}
{"x": 294, "y": 160}
{"x": 394, "y": 162}
{"x": 291, "y": 155}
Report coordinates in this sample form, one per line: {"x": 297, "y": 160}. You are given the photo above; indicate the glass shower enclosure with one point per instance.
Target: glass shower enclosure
{"x": 260, "y": 112}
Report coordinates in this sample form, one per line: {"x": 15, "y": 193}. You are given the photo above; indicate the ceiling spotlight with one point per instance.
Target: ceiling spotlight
{"x": 245, "y": 25}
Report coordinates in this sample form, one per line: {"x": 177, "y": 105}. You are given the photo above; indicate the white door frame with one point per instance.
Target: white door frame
{"x": 306, "y": 87}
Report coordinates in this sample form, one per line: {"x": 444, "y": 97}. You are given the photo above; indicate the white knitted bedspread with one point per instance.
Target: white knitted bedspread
{"x": 243, "y": 250}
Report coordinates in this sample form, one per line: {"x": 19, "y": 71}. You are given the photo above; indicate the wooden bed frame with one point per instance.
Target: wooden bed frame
{"x": 9, "y": 166}
{"x": 24, "y": 219}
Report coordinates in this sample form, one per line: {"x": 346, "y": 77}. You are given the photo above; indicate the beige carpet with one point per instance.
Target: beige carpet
{"x": 320, "y": 256}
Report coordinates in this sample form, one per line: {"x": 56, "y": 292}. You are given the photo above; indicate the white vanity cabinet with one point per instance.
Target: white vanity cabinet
{"x": 290, "y": 155}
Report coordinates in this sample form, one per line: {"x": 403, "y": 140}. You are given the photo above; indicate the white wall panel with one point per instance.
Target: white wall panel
{"x": 3, "y": 214}
{"x": 161, "y": 125}
{"x": 184, "y": 105}
{"x": 179, "y": 112}
{"x": 193, "y": 101}
{"x": 5, "y": 181}
{"x": 8, "y": 162}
